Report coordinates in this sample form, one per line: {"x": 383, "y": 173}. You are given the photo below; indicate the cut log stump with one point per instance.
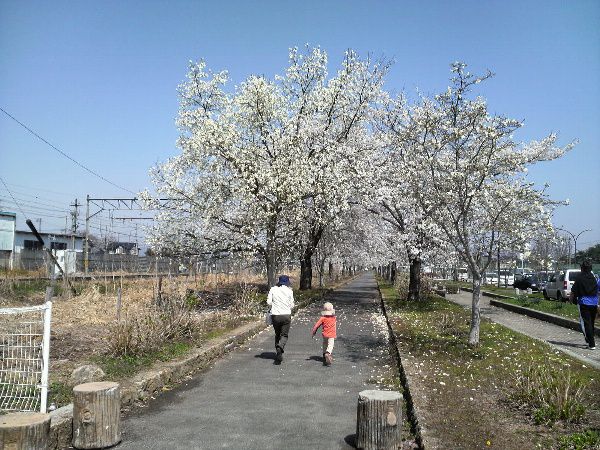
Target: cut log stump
{"x": 24, "y": 431}
{"x": 379, "y": 420}
{"x": 96, "y": 415}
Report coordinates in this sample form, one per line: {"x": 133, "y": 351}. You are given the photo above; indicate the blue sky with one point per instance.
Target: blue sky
{"x": 98, "y": 80}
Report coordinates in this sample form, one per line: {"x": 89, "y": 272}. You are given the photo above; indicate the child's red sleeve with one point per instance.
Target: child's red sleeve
{"x": 317, "y": 325}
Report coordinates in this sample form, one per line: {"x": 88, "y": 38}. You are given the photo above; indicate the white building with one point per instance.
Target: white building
{"x": 8, "y": 222}
{"x": 25, "y": 240}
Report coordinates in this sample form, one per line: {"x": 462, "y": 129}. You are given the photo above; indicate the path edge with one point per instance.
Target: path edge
{"x": 416, "y": 424}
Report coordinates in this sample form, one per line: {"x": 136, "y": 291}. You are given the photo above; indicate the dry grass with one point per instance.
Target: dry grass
{"x": 85, "y": 327}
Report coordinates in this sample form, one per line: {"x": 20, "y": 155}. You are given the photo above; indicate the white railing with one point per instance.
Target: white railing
{"x": 24, "y": 357}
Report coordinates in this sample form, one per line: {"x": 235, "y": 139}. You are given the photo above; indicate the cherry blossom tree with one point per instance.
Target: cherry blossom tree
{"x": 268, "y": 167}
{"x": 468, "y": 175}
{"x": 331, "y": 118}
{"x": 392, "y": 196}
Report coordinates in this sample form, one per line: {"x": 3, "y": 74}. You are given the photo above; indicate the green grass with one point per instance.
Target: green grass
{"x": 567, "y": 310}
{"x": 534, "y": 301}
{"x": 60, "y": 394}
{"x": 589, "y": 439}
{"x": 126, "y": 366}
{"x": 23, "y": 289}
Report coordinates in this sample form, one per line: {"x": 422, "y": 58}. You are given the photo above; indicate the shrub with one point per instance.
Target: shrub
{"x": 452, "y": 287}
{"x": 152, "y": 328}
{"x": 552, "y": 395}
{"x": 247, "y": 301}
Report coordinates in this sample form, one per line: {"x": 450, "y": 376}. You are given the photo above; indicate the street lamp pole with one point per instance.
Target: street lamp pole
{"x": 575, "y": 237}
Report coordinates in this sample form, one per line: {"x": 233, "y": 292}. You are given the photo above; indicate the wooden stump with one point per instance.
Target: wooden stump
{"x": 379, "y": 420}
{"x": 96, "y": 415}
{"x": 24, "y": 431}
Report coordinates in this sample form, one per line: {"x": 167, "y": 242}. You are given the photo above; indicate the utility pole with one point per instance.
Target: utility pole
{"x": 74, "y": 216}
{"x": 112, "y": 204}
{"x": 86, "y": 255}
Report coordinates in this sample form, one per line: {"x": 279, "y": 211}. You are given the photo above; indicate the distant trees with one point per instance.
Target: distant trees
{"x": 593, "y": 253}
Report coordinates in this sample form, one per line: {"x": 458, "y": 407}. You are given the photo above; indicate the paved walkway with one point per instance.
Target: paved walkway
{"x": 564, "y": 339}
{"x": 246, "y": 402}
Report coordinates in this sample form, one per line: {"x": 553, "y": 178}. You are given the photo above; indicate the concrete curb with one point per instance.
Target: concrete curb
{"x": 546, "y": 317}
{"x": 147, "y": 384}
{"x": 417, "y": 427}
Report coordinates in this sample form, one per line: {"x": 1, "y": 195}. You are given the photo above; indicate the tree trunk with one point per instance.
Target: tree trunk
{"x": 414, "y": 282}
{"x": 24, "y": 431}
{"x": 271, "y": 269}
{"x": 306, "y": 271}
{"x": 321, "y": 272}
{"x": 393, "y": 273}
{"x": 475, "y": 313}
{"x": 379, "y": 420}
{"x": 330, "y": 271}
{"x": 96, "y": 415}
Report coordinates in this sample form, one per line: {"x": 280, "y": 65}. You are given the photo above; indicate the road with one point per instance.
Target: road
{"x": 246, "y": 402}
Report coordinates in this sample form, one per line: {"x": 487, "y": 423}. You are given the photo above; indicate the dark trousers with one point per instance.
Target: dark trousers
{"x": 587, "y": 314}
{"x": 281, "y": 324}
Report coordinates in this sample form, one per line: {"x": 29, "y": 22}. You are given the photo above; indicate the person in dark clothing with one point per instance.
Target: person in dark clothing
{"x": 281, "y": 301}
{"x": 585, "y": 293}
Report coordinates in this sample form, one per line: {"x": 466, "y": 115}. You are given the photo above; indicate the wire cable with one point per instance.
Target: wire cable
{"x": 16, "y": 203}
{"x": 64, "y": 154}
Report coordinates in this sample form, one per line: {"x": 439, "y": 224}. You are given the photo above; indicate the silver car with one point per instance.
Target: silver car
{"x": 559, "y": 284}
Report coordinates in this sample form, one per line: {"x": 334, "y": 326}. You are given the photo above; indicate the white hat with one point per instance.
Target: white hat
{"x": 328, "y": 309}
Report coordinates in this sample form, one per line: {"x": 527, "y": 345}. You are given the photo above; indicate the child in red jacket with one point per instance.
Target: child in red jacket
{"x": 328, "y": 321}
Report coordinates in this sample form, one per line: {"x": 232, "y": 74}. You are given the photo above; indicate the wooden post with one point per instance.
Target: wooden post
{"x": 119, "y": 304}
{"x": 24, "y": 431}
{"x": 96, "y": 415}
{"x": 379, "y": 420}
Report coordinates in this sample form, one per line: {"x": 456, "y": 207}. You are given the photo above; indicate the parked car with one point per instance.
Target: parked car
{"x": 491, "y": 278}
{"x": 528, "y": 281}
{"x": 506, "y": 277}
{"x": 560, "y": 283}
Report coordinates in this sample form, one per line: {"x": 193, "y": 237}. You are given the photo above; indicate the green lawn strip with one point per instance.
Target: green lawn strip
{"x": 483, "y": 396}
{"x": 534, "y": 301}
{"x": 562, "y": 309}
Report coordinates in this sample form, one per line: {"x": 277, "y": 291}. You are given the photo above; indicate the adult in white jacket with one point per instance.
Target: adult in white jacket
{"x": 281, "y": 300}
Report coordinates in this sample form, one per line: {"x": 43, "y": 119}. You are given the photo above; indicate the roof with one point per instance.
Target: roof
{"x": 63, "y": 235}
{"x": 6, "y": 213}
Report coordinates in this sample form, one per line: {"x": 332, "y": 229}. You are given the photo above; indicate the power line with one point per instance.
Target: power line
{"x": 25, "y": 194}
{"x": 16, "y": 203}
{"x": 38, "y": 190}
{"x": 64, "y": 154}
{"x": 34, "y": 205}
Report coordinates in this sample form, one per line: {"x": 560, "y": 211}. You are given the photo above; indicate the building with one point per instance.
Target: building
{"x": 21, "y": 249}
{"x": 25, "y": 240}
{"x": 8, "y": 222}
{"x": 123, "y": 248}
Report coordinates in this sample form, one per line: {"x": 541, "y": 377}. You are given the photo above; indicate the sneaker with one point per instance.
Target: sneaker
{"x": 328, "y": 359}
{"x": 592, "y": 347}
{"x": 279, "y": 356}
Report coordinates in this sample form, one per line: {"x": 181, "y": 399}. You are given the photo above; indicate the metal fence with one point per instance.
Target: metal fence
{"x": 38, "y": 261}
{"x": 24, "y": 350}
